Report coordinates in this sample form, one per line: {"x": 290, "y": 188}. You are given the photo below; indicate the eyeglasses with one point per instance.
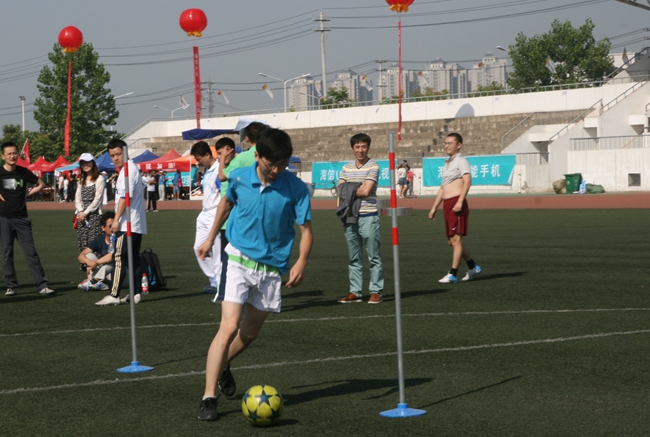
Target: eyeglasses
{"x": 10, "y": 154}
{"x": 281, "y": 165}
{"x": 85, "y": 163}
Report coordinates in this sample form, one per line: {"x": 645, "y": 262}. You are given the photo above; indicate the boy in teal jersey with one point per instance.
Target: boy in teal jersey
{"x": 263, "y": 202}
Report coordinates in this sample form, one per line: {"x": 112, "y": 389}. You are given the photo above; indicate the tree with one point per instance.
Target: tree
{"x": 93, "y": 105}
{"x": 576, "y": 54}
{"x": 490, "y": 90}
{"x": 337, "y": 98}
{"x": 39, "y": 144}
{"x": 428, "y": 94}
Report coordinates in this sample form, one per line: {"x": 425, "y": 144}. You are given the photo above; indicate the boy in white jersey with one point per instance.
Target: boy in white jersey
{"x": 211, "y": 265}
{"x": 456, "y": 180}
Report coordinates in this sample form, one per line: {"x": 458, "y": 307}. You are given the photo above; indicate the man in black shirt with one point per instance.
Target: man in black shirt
{"x": 14, "y": 223}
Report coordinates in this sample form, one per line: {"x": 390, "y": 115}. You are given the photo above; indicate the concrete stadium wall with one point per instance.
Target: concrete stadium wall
{"x": 611, "y": 168}
{"x": 549, "y": 101}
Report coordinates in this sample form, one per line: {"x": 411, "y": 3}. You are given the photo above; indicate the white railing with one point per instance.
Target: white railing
{"x": 574, "y": 121}
{"x": 607, "y": 143}
{"x": 533, "y": 158}
{"x": 139, "y": 143}
{"x": 623, "y": 95}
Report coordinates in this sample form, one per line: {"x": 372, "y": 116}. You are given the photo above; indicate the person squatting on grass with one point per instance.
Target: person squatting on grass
{"x": 211, "y": 186}
{"x": 14, "y": 223}
{"x": 361, "y": 178}
{"x": 138, "y": 225}
{"x": 97, "y": 258}
{"x": 456, "y": 180}
{"x": 263, "y": 202}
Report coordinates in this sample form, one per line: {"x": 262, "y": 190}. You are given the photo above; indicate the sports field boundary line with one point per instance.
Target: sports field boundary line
{"x": 328, "y": 359}
{"x": 325, "y": 319}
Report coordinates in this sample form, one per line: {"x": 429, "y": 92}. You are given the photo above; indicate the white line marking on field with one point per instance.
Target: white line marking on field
{"x": 327, "y": 359}
{"x": 327, "y": 319}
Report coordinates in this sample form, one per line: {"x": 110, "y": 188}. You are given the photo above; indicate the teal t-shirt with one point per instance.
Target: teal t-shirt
{"x": 244, "y": 159}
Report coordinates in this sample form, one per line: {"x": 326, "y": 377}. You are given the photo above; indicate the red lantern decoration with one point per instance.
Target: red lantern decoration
{"x": 400, "y": 5}
{"x": 193, "y": 21}
{"x": 70, "y": 39}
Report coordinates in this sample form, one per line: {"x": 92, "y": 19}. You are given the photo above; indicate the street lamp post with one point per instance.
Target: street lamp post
{"x": 22, "y": 102}
{"x": 503, "y": 49}
{"x": 170, "y": 110}
{"x": 285, "y": 84}
{"x": 118, "y": 97}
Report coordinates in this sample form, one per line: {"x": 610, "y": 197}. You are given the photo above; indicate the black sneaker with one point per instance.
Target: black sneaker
{"x": 227, "y": 382}
{"x": 208, "y": 409}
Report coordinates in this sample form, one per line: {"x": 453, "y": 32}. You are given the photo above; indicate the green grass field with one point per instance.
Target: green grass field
{"x": 551, "y": 340}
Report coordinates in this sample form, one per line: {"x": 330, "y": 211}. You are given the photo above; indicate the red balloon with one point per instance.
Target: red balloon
{"x": 400, "y": 5}
{"x": 193, "y": 21}
{"x": 70, "y": 39}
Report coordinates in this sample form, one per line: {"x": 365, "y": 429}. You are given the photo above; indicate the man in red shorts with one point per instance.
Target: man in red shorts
{"x": 456, "y": 180}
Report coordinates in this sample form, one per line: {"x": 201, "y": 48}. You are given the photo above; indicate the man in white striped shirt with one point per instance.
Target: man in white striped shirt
{"x": 366, "y": 231}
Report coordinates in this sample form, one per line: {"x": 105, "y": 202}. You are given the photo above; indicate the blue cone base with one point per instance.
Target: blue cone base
{"x": 402, "y": 411}
{"x": 135, "y": 367}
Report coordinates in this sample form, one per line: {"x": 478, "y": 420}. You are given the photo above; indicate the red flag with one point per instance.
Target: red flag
{"x": 26, "y": 152}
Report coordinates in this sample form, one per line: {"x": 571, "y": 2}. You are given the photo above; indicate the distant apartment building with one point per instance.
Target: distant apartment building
{"x": 389, "y": 85}
{"x": 440, "y": 76}
{"x": 305, "y": 93}
{"x": 359, "y": 88}
{"x": 490, "y": 69}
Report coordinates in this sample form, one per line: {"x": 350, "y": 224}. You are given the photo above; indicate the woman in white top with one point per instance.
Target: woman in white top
{"x": 88, "y": 201}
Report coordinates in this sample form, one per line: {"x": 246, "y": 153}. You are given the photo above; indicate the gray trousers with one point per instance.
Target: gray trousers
{"x": 103, "y": 272}
{"x": 20, "y": 229}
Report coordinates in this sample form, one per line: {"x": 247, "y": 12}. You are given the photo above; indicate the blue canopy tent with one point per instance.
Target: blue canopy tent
{"x": 145, "y": 156}
{"x": 104, "y": 163}
{"x": 73, "y": 166}
{"x": 202, "y": 134}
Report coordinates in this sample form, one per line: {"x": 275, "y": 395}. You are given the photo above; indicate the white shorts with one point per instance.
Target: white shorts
{"x": 248, "y": 281}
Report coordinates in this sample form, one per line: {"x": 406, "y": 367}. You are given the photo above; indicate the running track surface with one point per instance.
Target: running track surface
{"x": 639, "y": 200}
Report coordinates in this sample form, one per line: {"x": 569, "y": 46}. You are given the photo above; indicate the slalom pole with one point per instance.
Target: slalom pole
{"x": 135, "y": 366}
{"x": 402, "y": 410}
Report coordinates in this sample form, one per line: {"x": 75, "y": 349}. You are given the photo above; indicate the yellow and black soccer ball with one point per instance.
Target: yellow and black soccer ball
{"x": 262, "y": 405}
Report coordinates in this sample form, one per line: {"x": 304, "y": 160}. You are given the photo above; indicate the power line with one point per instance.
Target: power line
{"x": 473, "y": 20}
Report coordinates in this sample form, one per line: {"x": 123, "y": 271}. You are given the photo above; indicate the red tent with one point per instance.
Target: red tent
{"x": 39, "y": 165}
{"x": 60, "y": 162}
{"x": 22, "y": 163}
{"x": 166, "y": 162}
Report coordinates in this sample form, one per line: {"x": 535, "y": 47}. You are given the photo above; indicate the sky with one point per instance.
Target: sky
{"x": 147, "y": 54}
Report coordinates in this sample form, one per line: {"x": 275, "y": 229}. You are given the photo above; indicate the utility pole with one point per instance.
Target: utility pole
{"x": 381, "y": 83}
{"x": 210, "y": 97}
{"x": 322, "y": 31}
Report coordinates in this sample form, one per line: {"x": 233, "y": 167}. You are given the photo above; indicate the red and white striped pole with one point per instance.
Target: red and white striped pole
{"x": 135, "y": 366}
{"x": 402, "y": 409}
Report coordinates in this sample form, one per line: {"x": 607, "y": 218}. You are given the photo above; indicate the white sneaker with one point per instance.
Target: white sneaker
{"x": 46, "y": 290}
{"x": 471, "y": 273}
{"x": 448, "y": 279}
{"x": 108, "y": 300}
{"x": 10, "y": 292}
{"x": 99, "y": 286}
{"x": 136, "y": 299}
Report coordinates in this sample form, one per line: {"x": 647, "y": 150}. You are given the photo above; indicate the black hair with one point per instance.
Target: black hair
{"x": 274, "y": 145}
{"x": 201, "y": 148}
{"x": 254, "y": 130}
{"x": 106, "y": 217}
{"x": 8, "y": 144}
{"x": 114, "y": 143}
{"x": 360, "y": 138}
{"x": 457, "y": 137}
{"x": 223, "y": 142}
